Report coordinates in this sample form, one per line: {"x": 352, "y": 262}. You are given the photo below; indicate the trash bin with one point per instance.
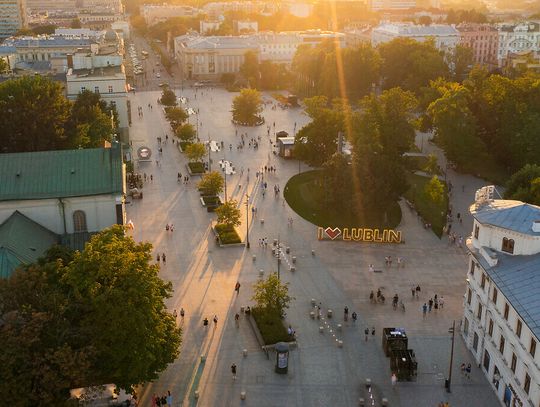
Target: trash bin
{"x": 282, "y": 357}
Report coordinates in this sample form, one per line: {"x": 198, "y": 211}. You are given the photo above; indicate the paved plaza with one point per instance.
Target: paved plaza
{"x": 204, "y": 275}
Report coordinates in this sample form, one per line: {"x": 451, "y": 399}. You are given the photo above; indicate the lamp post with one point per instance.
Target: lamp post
{"x": 247, "y": 221}
{"x": 278, "y": 256}
{"x": 225, "y": 177}
{"x": 449, "y": 381}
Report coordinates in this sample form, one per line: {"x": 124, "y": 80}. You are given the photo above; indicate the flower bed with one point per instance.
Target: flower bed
{"x": 227, "y": 234}
{"x": 270, "y": 326}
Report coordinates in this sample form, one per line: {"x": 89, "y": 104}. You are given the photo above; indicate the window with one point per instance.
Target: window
{"x": 96, "y": 89}
{"x": 483, "y": 281}
{"x": 508, "y": 245}
{"x": 473, "y": 264}
{"x": 475, "y": 342}
{"x": 527, "y": 383}
{"x": 479, "y": 312}
{"x": 79, "y": 221}
{"x": 486, "y": 360}
{"x": 502, "y": 342}
{"x": 514, "y": 363}
{"x": 466, "y": 327}
{"x": 469, "y": 296}
{"x": 83, "y": 88}
{"x": 532, "y": 348}
{"x": 110, "y": 89}
{"x": 518, "y": 328}
{"x": 506, "y": 311}
{"x": 490, "y": 329}
{"x": 476, "y": 231}
{"x": 495, "y": 294}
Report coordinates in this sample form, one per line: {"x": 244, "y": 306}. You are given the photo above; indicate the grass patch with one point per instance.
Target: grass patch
{"x": 306, "y": 197}
{"x": 431, "y": 212}
{"x": 184, "y": 145}
{"x": 227, "y": 234}
{"x": 211, "y": 200}
{"x": 196, "y": 168}
{"x": 270, "y": 326}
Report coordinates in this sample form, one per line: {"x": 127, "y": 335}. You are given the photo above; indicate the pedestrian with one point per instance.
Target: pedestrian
{"x": 441, "y": 302}
{"x": 237, "y": 287}
{"x": 413, "y": 292}
{"x": 158, "y": 401}
{"x": 468, "y": 370}
{"x": 175, "y": 315}
{"x": 167, "y": 227}
{"x": 346, "y": 313}
{"x": 154, "y": 400}
{"x": 233, "y": 371}
{"x": 169, "y": 399}
{"x": 215, "y": 321}
{"x": 354, "y": 317}
{"x": 430, "y": 304}
{"x": 163, "y": 400}
{"x": 237, "y": 319}
{"x": 462, "y": 368}
{"x": 373, "y": 331}
{"x": 164, "y": 258}
{"x": 424, "y": 310}
{"x": 182, "y": 313}
{"x": 366, "y": 333}
{"x": 151, "y": 178}
{"x": 394, "y": 380}
{"x": 171, "y": 228}
{"x": 370, "y": 268}
{"x": 205, "y": 322}
{"x": 158, "y": 258}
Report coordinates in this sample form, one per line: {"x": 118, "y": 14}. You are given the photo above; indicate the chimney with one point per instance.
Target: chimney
{"x": 69, "y": 60}
{"x": 536, "y": 226}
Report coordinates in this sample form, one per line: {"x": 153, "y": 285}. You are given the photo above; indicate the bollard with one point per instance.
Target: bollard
{"x": 329, "y": 313}
{"x": 273, "y": 252}
{"x": 361, "y": 402}
{"x": 275, "y": 242}
{"x": 368, "y": 382}
{"x": 313, "y": 252}
{"x": 242, "y": 309}
{"x": 340, "y": 344}
{"x": 261, "y": 272}
{"x": 203, "y": 358}
{"x": 293, "y": 268}
{"x": 313, "y": 302}
{"x": 242, "y": 395}
{"x": 287, "y": 250}
{"x": 196, "y": 394}
{"x": 262, "y": 221}
{"x": 384, "y": 401}
{"x": 254, "y": 257}
{"x": 321, "y": 329}
{"x": 339, "y": 327}
{"x": 244, "y": 352}
{"x": 312, "y": 315}
{"x": 294, "y": 259}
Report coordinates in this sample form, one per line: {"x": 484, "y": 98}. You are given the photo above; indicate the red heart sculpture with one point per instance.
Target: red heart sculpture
{"x": 332, "y": 233}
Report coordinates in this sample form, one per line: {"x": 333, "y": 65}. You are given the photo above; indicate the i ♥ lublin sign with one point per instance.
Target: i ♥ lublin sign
{"x": 359, "y": 234}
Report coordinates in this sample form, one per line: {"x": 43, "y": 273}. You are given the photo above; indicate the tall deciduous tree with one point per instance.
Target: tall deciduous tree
{"x": 168, "y": 98}
{"x": 247, "y": 107}
{"x": 186, "y": 132}
{"x": 195, "y": 152}
{"x": 250, "y": 69}
{"x": 176, "y": 116}
{"x": 212, "y": 183}
{"x": 524, "y": 185}
{"x": 33, "y": 115}
{"x": 271, "y": 295}
{"x": 228, "y": 214}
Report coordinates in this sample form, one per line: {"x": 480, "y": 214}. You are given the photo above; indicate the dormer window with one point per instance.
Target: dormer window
{"x": 508, "y": 245}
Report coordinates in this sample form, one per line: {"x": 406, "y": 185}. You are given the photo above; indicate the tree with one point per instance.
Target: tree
{"x": 91, "y": 318}
{"x": 186, "y": 132}
{"x": 212, "y": 183}
{"x": 524, "y": 185}
{"x": 425, "y": 20}
{"x": 411, "y": 65}
{"x": 250, "y": 69}
{"x": 195, "y": 152}
{"x": 75, "y": 23}
{"x": 271, "y": 295}
{"x": 247, "y": 107}
{"x": 33, "y": 114}
{"x": 176, "y": 116}
{"x": 4, "y": 67}
{"x": 168, "y": 98}
{"x": 432, "y": 166}
{"x": 434, "y": 190}
{"x": 461, "y": 61}
{"x": 337, "y": 178}
{"x": 228, "y": 214}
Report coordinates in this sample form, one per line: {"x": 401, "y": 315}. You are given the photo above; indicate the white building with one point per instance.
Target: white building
{"x": 523, "y": 37}
{"x": 245, "y": 26}
{"x": 155, "y": 13}
{"x": 71, "y": 193}
{"x": 12, "y": 17}
{"x": 205, "y": 26}
{"x": 501, "y": 322}
{"x": 377, "y": 5}
{"x": 445, "y": 36}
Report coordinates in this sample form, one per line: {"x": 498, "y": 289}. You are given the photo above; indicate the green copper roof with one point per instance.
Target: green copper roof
{"x": 60, "y": 174}
{"x": 22, "y": 241}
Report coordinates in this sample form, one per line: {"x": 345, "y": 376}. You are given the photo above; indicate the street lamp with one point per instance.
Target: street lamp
{"x": 247, "y": 221}
{"x": 449, "y": 380}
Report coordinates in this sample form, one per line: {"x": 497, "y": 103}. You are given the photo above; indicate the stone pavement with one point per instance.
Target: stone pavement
{"x": 203, "y": 276}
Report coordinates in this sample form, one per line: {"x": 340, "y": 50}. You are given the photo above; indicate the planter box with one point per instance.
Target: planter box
{"x": 197, "y": 169}
{"x": 222, "y": 236}
{"x": 210, "y": 201}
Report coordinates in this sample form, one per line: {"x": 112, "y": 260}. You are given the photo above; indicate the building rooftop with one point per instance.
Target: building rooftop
{"x": 220, "y": 42}
{"x": 48, "y": 41}
{"x": 22, "y": 241}
{"x": 60, "y": 174}
{"x": 404, "y": 29}
{"x": 111, "y": 70}
{"x": 507, "y": 214}
{"x": 521, "y": 27}
{"x": 518, "y": 279}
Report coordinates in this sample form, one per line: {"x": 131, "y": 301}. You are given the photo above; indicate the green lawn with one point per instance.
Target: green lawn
{"x": 196, "y": 168}
{"x": 431, "y": 212}
{"x": 270, "y": 326}
{"x": 306, "y": 197}
{"x": 227, "y": 235}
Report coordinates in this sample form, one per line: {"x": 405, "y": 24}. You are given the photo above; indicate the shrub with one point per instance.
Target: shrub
{"x": 270, "y": 325}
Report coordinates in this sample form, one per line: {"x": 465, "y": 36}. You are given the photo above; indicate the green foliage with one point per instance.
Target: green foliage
{"x": 465, "y": 16}
{"x": 44, "y": 29}
{"x": 195, "y": 152}
{"x": 33, "y": 115}
{"x": 228, "y": 214}
{"x": 247, "y": 107}
{"x": 95, "y": 317}
{"x": 250, "y": 69}
{"x": 461, "y": 61}
{"x": 4, "y": 67}
{"x": 410, "y": 64}
{"x": 227, "y": 234}
{"x": 432, "y": 166}
{"x": 196, "y": 167}
{"x": 228, "y": 79}
{"x": 524, "y": 185}
{"x": 176, "y": 26}
{"x": 270, "y": 326}
{"x": 139, "y": 24}
{"x": 272, "y": 295}
{"x": 168, "y": 98}
{"x": 212, "y": 183}
{"x": 337, "y": 178}
{"x": 176, "y": 116}
{"x": 186, "y": 132}
{"x": 434, "y": 190}
{"x": 75, "y": 23}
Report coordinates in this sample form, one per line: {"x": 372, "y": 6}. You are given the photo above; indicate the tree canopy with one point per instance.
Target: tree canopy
{"x": 271, "y": 295}
{"x": 212, "y": 183}
{"x": 524, "y": 185}
{"x": 228, "y": 214}
{"x": 88, "y": 318}
{"x": 247, "y": 107}
{"x": 195, "y": 152}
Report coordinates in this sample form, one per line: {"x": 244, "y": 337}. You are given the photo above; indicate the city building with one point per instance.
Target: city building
{"x": 57, "y": 196}
{"x": 36, "y": 6}
{"x": 501, "y": 321}
{"x": 155, "y": 13}
{"x": 377, "y": 5}
{"x": 12, "y": 17}
{"x": 215, "y": 10}
{"x": 483, "y": 39}
{"x": 206, "y": 26}
{"x": 358, "y": 35}
{"x": 518, "y": 38}
{"x": 445, "y": 36}
{"x": 210, "y": 57}
{"x": 521, "y": 62}
{"x": 245, "y": 26}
